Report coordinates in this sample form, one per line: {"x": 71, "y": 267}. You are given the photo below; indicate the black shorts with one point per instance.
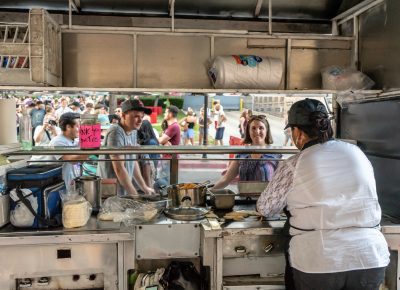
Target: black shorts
{"x": 367, "y": 279}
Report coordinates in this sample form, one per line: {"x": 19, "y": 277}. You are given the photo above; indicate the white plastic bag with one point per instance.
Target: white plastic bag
{"x": 76, "y": 210}
{"x": 344, "y": 79}
{"x": 21, "y": 216}
{"x": 145, "y": 280}
{"x": 246, "y": 72}
{"x": 129, "y": 211}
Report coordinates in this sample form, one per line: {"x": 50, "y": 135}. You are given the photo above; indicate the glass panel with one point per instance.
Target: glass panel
{"x": 224, "y": 111}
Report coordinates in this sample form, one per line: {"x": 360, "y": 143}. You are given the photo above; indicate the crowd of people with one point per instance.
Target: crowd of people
{"x": 55, "y": 122}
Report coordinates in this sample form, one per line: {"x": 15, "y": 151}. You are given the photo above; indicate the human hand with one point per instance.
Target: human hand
{"x": 149, "y": 190}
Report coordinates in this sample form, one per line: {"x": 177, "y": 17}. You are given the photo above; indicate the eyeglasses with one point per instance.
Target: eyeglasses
{"x": 258, "y": 117}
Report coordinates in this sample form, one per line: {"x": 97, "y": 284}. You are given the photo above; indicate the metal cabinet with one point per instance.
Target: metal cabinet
{"x": 62, "y": 266}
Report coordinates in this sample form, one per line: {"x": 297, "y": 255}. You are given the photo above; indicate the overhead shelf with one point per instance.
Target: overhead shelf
{"x": 57, "y": 90}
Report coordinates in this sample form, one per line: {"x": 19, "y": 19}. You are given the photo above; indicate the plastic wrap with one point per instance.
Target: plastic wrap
{"x": 76, "y": 210}
{"x": 129, "y": 211}
{"x": 246, "y": 72}
{"x": 345, "y": 79}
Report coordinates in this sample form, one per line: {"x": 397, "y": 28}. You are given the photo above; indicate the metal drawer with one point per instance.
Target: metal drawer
{"x": 252, "y": 245}
{"x": 271, "y": 266}
{"x": 253, "y": 283}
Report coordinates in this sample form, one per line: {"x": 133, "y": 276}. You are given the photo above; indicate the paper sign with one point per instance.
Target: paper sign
{"x": 90, "y": 136}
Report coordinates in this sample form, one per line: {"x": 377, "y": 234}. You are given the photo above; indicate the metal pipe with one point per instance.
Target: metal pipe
{"x": 69, "y": 15}
{"x": 357, "y": 8}
{"x": 212, "y": 46}
{"x": 356, "y": 34}
{"x": 172, "y": 12}
{"x": 196, "y": 32}
{"x": 166, "y": 159}
{"x": 157, "y": 150}
{"x": 288, "y": 62}
{"x": 360, "y": 11}
{"x": 205, "y": 118}
{"x": 270, "y": 17}
{"x": 335, "y": 28}
{"x": 257, "y": 10}
{"x": 135, "y": 62}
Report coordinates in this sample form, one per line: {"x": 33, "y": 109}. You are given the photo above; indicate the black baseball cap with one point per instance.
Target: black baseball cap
{"x": 76, "y": 104}
{"x": 134, "y": 105}
{"x": 299, "y": 113}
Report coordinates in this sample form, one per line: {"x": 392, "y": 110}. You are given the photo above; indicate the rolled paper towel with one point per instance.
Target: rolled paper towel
{"x": 246, "y": 72}
{"x": 8, "y": 119}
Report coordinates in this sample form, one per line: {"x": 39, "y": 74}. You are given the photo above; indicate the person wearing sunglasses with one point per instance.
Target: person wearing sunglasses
{"x": 258, "y": 133}
{"x": 329, "y": 193}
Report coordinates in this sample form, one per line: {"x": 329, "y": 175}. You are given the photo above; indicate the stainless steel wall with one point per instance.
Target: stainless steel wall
{"x": 376, "y": 127}
{"x": 166, "y": 61}
{"x": 380, "y": 44}
{"x": 97, "y": 60}
{"x": 173, "y": 62}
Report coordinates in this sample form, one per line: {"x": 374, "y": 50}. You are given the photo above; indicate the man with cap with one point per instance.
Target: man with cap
{"x": 76, "y": 107}
{"x": 121, "y": 135}
{"x": 329, "y": 193}
{"x": 69, "y": 124}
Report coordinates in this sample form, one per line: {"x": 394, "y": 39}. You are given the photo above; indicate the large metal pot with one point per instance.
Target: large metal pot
{"x": 90, "y": 188}
{"x": 177, "y": 193}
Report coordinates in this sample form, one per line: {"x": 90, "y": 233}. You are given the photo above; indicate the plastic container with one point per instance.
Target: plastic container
{"x": 25, "y": 132}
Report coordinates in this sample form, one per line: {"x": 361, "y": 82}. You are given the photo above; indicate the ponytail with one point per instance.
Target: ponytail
{"x": 320, "y": 128}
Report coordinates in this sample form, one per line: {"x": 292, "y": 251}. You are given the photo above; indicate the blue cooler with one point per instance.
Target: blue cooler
{"x": 43, "y": 201}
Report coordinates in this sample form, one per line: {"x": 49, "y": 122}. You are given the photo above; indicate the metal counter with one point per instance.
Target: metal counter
{"x": 93, "y": 232}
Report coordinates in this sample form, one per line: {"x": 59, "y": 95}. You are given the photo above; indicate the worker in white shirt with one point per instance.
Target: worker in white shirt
{"x": 330, "y": 195}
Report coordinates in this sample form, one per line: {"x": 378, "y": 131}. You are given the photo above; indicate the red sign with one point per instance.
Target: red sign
{"x": 90, "y": 136}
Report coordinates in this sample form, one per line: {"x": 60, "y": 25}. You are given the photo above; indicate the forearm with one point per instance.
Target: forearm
{"x": 74, "y": 157}
{"x": 39, "y": 136}
{"x": 147, "y": 175}
{"x": 231, "y": 173}
{"x": 222, "y": 183}
{"x": 138, "y": 176}
{"x": 125, "y": 181}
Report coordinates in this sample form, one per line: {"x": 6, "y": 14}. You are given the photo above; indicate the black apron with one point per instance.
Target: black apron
{"x": 289, "y": 281}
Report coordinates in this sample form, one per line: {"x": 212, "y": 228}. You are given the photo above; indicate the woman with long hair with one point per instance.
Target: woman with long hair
{"x": 258, "y": 133}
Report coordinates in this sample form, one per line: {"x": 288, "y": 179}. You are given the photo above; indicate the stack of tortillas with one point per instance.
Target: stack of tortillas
{"x": 76, "y": 213}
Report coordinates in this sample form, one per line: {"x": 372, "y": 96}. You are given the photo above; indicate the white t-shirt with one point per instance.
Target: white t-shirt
{"x": 330, "y": 191}
{"x": 61, "y": 111}
{"x": 70, "y": 170}
{"x": 217, "y": 113}
{"x": 45, "y": 138}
